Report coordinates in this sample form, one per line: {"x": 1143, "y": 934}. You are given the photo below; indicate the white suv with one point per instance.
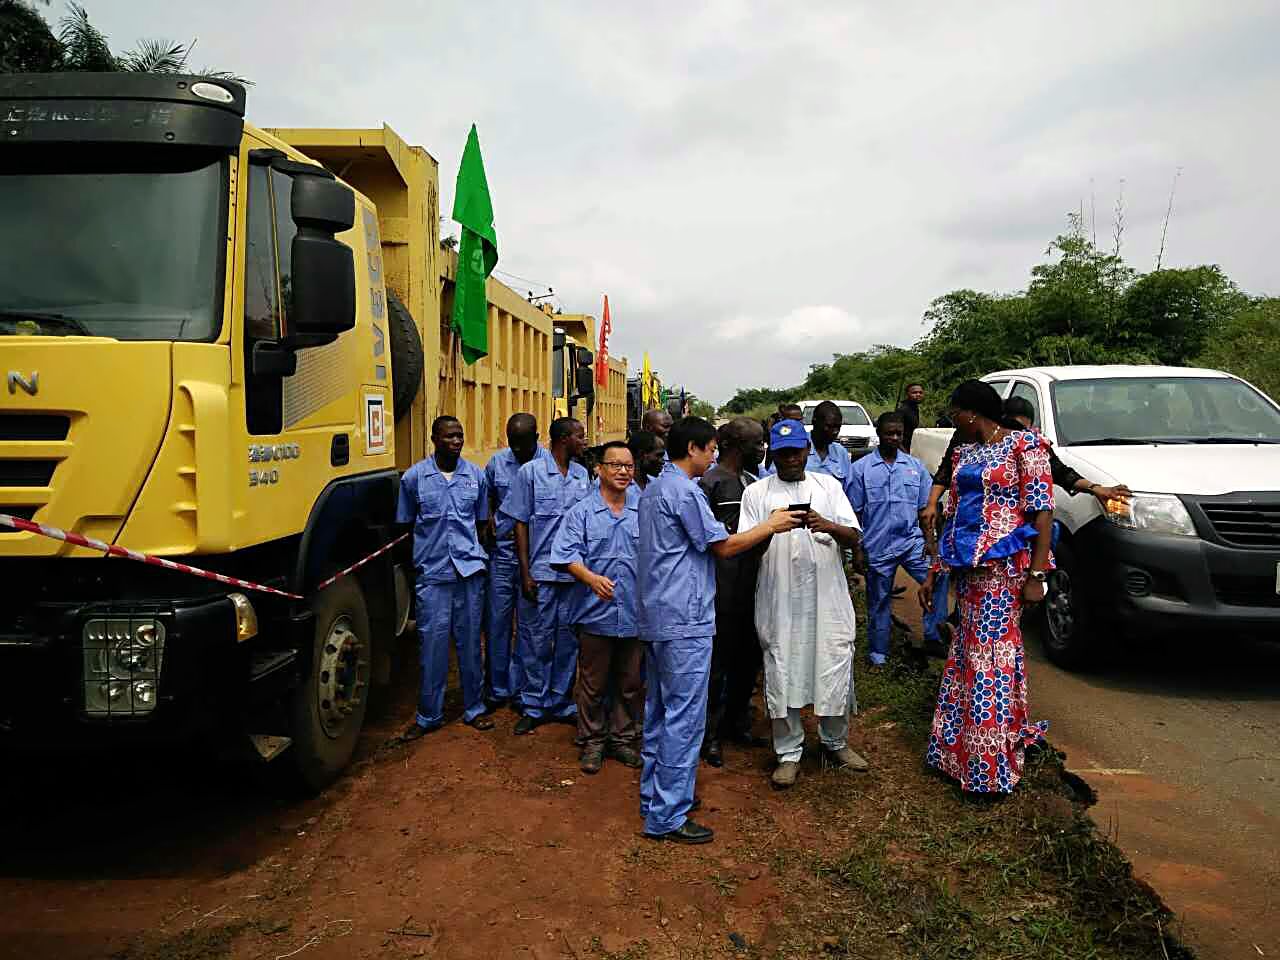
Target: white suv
{"x": 1199, "y": 546}
{"x": 857, "y": 432}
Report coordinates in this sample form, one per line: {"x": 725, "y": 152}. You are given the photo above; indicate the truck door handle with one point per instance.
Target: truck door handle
{"x": 340, "y": 450}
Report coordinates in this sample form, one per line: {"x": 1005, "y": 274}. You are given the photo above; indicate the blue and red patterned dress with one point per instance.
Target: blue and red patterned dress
{"x": 980, "y": 727}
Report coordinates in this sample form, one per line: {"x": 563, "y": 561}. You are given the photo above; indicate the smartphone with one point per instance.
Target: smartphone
{"x": 799, "y": 508}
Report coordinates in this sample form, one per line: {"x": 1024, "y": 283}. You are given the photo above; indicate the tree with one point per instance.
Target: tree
{"x": 27, "y": 45}
{"x": 1171, "y": 313}
{"x": 1248, "y": 345}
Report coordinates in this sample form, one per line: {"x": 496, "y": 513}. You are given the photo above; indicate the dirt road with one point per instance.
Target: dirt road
{"x": 1181, "y": 742}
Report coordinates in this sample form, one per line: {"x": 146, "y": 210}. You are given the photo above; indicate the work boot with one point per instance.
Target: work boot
{"x": 713, "y": 753}
{"x": 846, "y": 759}
{"x": 591, "y": 759}
{"x": 785, "y": 775}
{"x": 527, "y": 724}
{"x": 625, "y": 755}
{"x": 687, "y": 832}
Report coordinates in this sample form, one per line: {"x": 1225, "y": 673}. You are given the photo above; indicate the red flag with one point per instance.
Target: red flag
{"x": 602, "y": 355}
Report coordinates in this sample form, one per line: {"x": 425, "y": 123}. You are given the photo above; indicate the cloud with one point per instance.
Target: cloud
{"x": 758, "y": 185}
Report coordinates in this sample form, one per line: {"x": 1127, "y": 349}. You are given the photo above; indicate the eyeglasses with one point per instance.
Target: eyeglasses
{"x": 618, "y": 466}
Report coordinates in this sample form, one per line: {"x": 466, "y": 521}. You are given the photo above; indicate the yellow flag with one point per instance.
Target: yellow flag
{"x": 646, "y": 383}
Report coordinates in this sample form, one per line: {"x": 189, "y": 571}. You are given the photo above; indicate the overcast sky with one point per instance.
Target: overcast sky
{"x": 757, "y": 186}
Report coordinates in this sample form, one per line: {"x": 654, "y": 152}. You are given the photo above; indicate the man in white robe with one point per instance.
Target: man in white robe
{"x": 804, "y": 614}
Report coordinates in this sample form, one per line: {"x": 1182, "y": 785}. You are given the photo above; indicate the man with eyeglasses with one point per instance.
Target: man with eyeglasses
{"x": 596, "y": 544}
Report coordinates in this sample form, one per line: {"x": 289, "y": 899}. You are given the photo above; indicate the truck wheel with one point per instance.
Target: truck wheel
{"x": 1068, "y": 627}
{"x": 330, "y": 702}
{"x": 406, "y": 355}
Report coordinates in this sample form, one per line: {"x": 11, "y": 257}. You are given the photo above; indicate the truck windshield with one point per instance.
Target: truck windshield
{"x": 1126, "y": 410}
{"x": 126, "y": 246}
{"x": 851, "y": 415}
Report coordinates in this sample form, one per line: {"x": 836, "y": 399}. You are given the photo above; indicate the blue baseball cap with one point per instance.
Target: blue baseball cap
{"x": 788, "y": 433}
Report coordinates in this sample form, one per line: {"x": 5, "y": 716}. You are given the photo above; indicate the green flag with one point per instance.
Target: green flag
{"x": 477, "y": 252}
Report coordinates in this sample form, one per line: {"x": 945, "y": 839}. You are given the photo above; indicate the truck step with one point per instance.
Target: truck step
{"x": 268, "y": 745}
{"x": 267, "y": 663}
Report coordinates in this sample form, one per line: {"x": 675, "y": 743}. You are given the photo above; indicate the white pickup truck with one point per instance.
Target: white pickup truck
{"x": 1199, "y": 547}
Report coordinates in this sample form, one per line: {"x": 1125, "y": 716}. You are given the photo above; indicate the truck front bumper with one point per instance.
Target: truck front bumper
{"x": 45, "y": 699}
{"x": 1162, "y": 582}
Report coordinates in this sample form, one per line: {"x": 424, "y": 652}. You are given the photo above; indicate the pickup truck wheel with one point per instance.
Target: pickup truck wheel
{"x": 330, "y": 702}
{"x": 1068, "y": 630}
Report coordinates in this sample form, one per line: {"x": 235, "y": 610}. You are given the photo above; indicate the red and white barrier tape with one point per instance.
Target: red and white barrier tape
{"x": 75, "y": 539}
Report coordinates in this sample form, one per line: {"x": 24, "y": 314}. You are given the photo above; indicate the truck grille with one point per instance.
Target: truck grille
{"x": 856, "y": 443}
{"x": 34, "y": 426}
{"x": 26, "y": 473}
{"x": 1246, "y": 591}
{"x": 1245, "y": 524}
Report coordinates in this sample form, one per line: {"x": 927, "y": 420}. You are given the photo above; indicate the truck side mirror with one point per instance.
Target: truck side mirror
{"x": 322, "y": 298}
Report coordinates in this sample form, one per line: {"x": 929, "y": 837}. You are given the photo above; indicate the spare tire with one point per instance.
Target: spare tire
{"x": 406, "y": 356}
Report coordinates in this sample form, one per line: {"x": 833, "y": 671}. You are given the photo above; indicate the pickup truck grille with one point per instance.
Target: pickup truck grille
{"x": 1245, "y": 524}
{"x": 855, "y": 443}
{"x": 1246, "y": 591}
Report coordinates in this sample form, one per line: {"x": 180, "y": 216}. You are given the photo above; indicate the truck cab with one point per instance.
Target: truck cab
{"x": 1198, "y": 547}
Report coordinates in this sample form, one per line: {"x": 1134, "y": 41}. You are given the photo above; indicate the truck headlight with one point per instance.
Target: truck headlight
{"x": 122, "y": 659}
{"x": 1152, "y": 513}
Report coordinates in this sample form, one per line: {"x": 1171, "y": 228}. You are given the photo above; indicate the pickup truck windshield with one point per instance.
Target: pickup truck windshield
{"x": 124, "y": 246}
{"x": 851, "y": 415}
{"x": 1125, "y": 410}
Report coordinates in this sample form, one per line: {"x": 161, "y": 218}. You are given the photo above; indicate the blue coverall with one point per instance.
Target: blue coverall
{"x": 539, "y": 497}
{"x": 505, "y": 669}
{"x": 450, "y": 582}
{"x": 606, "y": 544}
{"x": 888, "y": 498}
{"x": 677, "y": 590}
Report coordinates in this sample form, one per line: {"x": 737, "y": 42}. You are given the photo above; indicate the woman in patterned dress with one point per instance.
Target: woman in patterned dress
{"x": 996, "y": 546}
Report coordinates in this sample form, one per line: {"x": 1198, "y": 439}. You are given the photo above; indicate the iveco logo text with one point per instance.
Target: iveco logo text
{"x": 30, "y": 384}
{"x": 265, "y": 452}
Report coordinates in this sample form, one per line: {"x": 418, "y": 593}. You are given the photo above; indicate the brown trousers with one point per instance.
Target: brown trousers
{"x": 609, "y": 669}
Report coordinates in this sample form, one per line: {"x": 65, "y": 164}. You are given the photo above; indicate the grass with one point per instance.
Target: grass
{"x": 910, "y": 867}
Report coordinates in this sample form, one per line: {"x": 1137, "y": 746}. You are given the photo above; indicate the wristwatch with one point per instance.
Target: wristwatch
{"x": 1039, "y": 575}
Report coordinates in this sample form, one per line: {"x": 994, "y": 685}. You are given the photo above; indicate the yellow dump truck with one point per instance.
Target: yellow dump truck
{"x": 222, "y": 346}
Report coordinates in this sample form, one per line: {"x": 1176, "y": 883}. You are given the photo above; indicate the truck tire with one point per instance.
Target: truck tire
{"x": 330, "y": 702}
{"x": 1068, "y": 625}
{"x": 406, "y": 356}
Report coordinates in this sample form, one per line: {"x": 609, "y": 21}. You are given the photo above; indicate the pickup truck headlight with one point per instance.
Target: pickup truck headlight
{"x": 1152, "y": 513}
{"x": 122, "y": 657}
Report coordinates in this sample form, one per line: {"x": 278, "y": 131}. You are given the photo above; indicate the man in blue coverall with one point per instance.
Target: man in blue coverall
{"x": 676, "y": 585}
{"x": 543, "y": 492}
{"x": 888, "y": 489}
{"x": 505, "y": 668}
{"x": 826, "y": 453}
{"x": 596, "y": 543}
{"x": 447, "y": 501}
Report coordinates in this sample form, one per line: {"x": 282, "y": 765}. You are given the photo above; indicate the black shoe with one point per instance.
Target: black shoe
{"x": 687, "y": 832}
{"x": 627, "y": 756}
{"x": 897, "y": 591}
{"x": 591, "y": 759}
{"x": 527, "y": 724}
{"x": 414, "y": 731}
{"x": 713, "y": 754}
{"x": 481, "y": 722}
